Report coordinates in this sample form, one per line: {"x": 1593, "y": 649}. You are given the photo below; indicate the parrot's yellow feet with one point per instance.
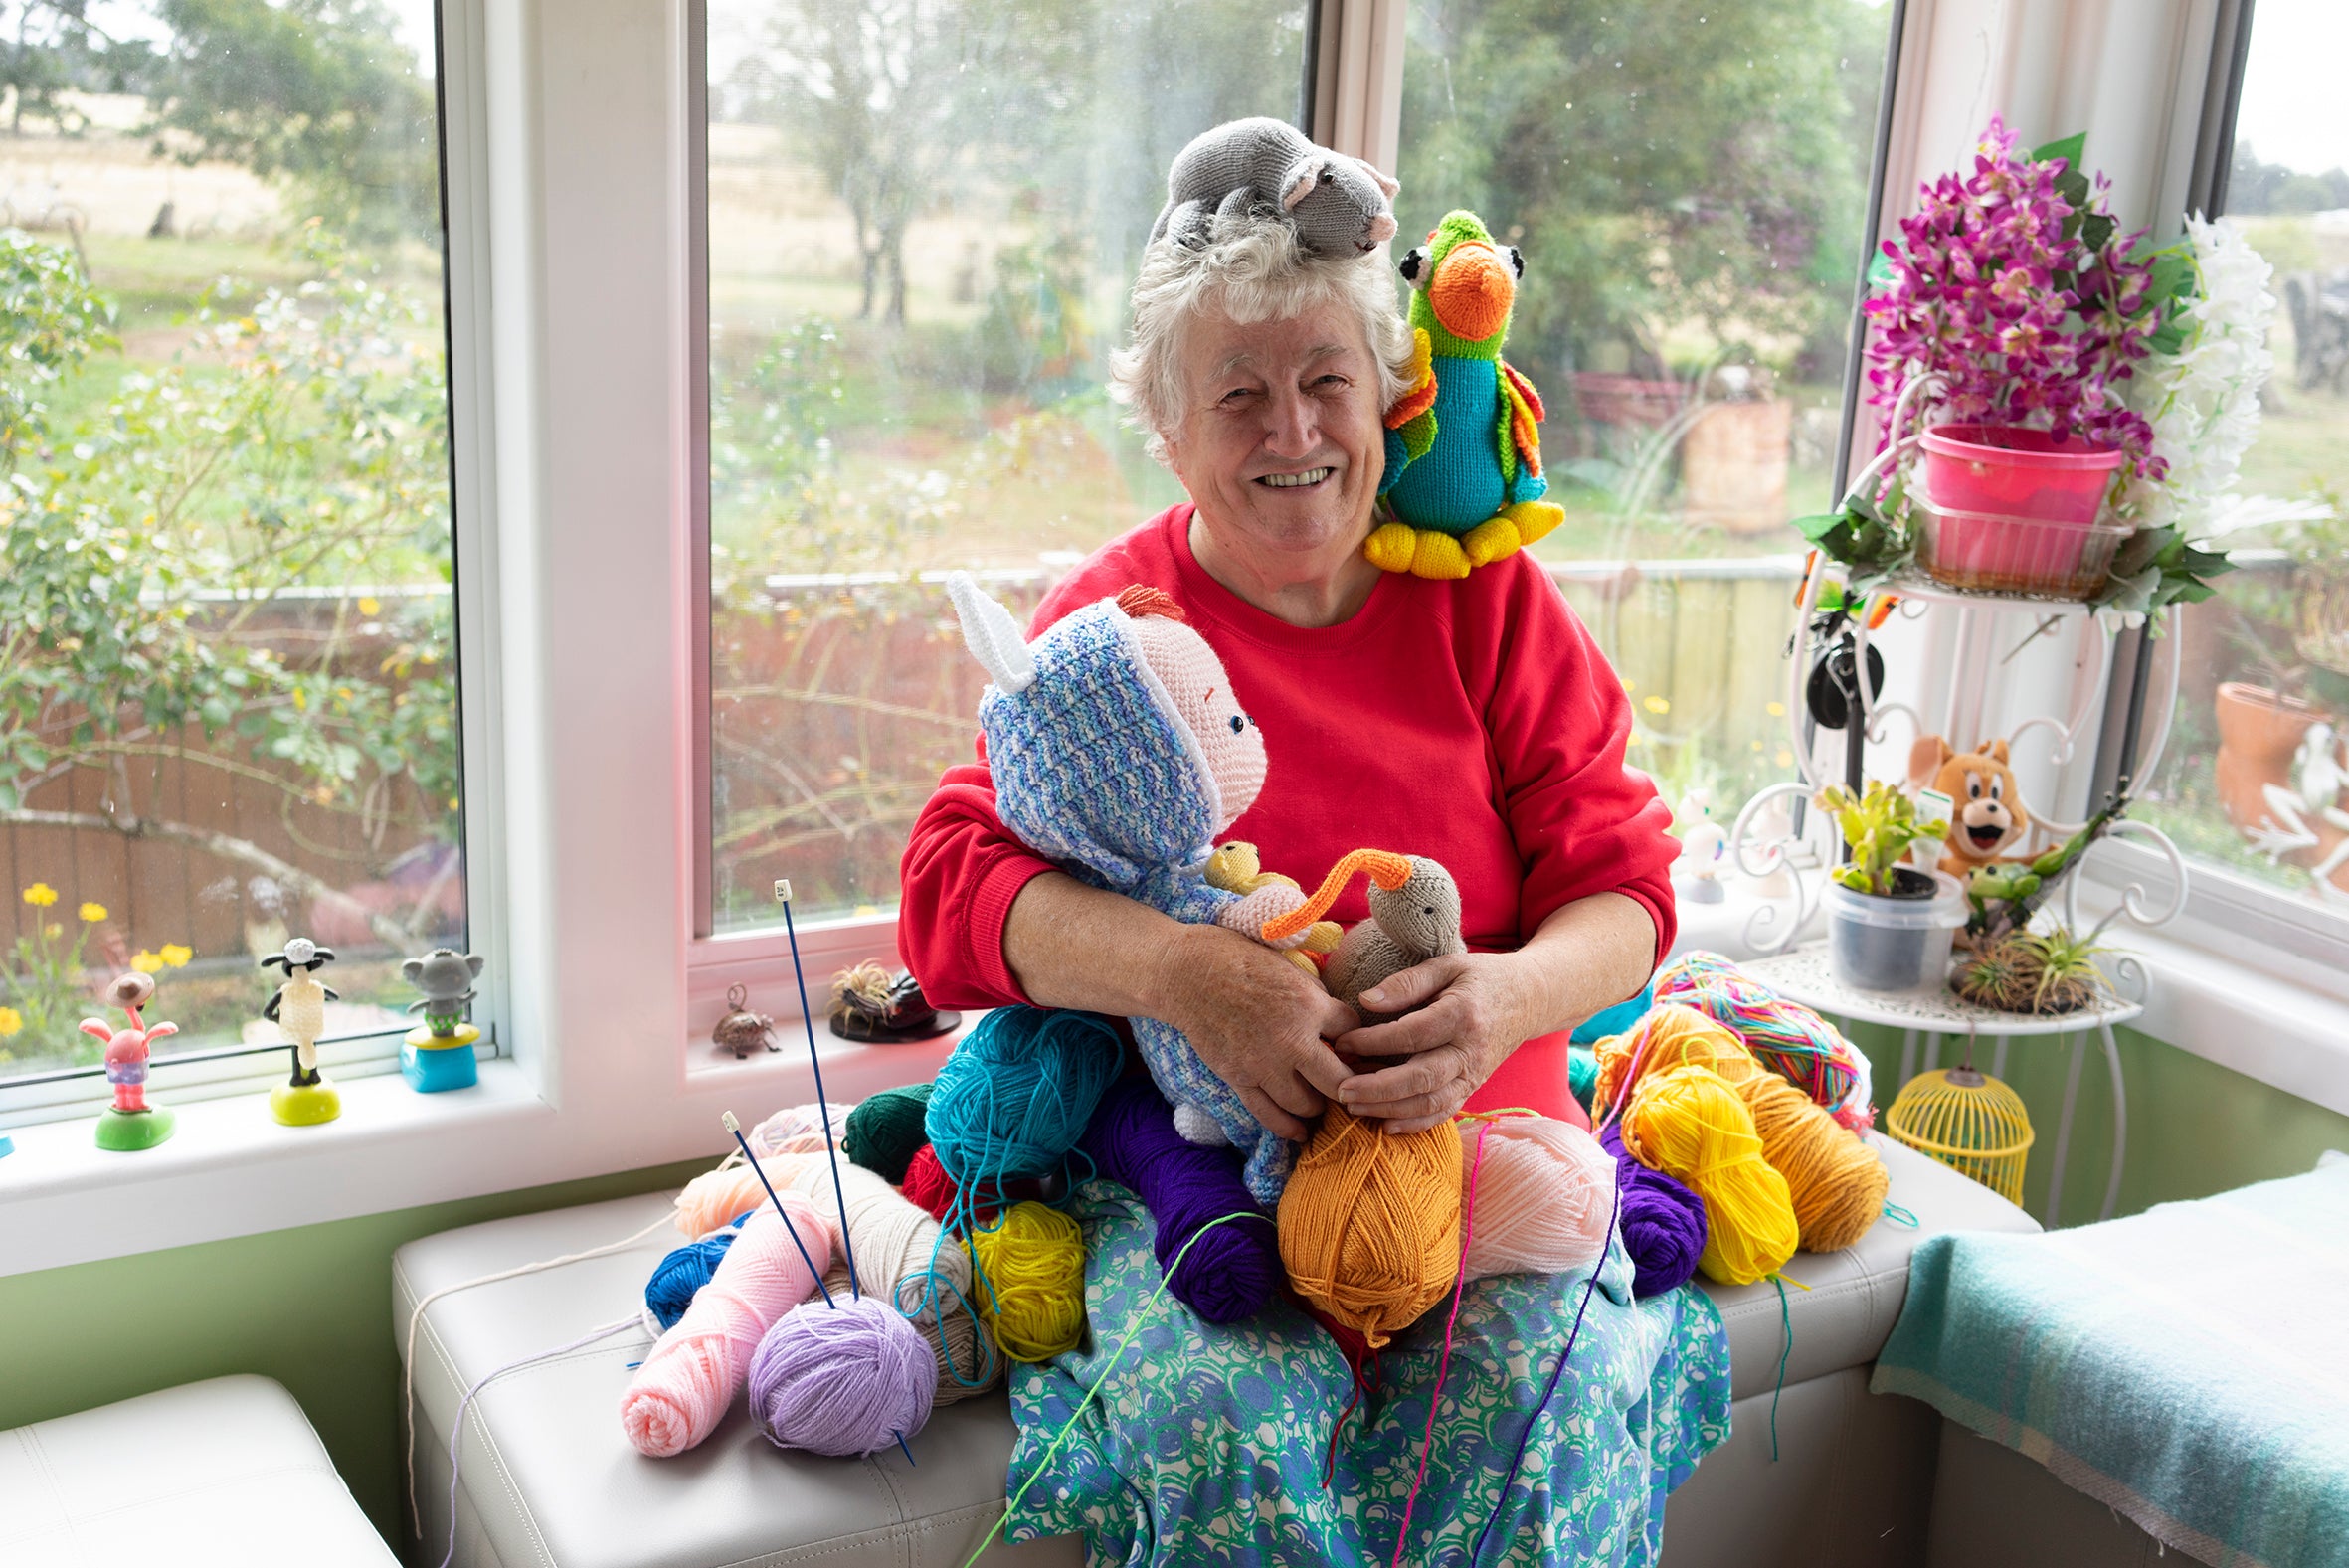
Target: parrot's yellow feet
{"x": 1313, "y": 971}
{"x": 1490, "y": 540}
{"x": 1535, "y": 518}
{"x": 1438, "y": 555}
{"x": 1389, "y": 547}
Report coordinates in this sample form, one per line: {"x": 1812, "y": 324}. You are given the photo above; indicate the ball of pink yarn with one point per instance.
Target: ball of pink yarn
{"x": 1545, "y": 1197}
{"x": 845, "y": 1381}
{"x": 714, "y": 1197}
{"x": 693, "y": 1372}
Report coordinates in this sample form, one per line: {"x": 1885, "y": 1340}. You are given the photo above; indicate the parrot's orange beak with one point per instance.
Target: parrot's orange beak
{"x": 1471, "y": 291}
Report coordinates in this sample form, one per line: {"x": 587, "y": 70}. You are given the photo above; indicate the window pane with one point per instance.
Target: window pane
{"x": 228, "y": 708}
{"x": 1688, "y": 183}
{"x": 922, "y": 219}
{"x": 2256, "y": 778}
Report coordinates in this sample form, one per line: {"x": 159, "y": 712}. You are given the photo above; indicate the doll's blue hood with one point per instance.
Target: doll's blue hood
{"x": 1090, "y": 765}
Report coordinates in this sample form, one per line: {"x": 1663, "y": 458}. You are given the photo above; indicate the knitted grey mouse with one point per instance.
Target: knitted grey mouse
{"x": 1338, "y": 205}
{"x": 1408, "y": 924}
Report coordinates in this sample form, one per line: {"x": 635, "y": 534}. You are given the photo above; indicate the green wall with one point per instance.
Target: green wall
{"x": 312, "y": 1307}
{"x": 309, "y": 1306}
{"x": 2194, "y": 1128}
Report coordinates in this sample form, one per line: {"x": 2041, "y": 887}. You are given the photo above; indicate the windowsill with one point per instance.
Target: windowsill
{"x": 230, "y": 1169}
{"x": 2262, "y": 1024}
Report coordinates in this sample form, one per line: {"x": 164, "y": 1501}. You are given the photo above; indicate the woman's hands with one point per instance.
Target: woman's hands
{"x": 1257, "y": 1021}
{"x": 1477, "y": 1007}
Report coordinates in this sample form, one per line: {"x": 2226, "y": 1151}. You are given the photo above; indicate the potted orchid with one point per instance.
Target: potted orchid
{"x": 2033, "y": 336}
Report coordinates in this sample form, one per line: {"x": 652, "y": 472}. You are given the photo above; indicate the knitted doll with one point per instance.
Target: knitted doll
{"x": 1120, "y": 750}
{"x": 1463, "y": 460}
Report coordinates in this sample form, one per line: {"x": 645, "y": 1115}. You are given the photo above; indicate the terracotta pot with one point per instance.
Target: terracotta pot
{"x": 2260, "y": 732}
{"x": 1733, "y": 463}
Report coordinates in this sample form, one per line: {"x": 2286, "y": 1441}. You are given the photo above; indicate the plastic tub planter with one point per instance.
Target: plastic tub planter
{"x": 1897, "y": 942}
{"x": 1989, "y": 553}
{"x": 2009, "y": 470}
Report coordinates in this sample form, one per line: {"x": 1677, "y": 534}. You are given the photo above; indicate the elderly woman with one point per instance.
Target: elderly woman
{"x": 1471, "y": 721}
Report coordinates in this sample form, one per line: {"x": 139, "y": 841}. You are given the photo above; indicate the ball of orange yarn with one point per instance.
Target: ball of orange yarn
{"x": 1837, "y": 1183}
{"x": 1369, "y": 1223}
{"x": 1690, "y": 1123}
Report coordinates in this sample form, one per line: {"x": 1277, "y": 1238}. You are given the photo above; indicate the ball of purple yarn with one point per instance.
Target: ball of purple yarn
{"x": 846, "y": 1380}
{"x": 1663, "y": 1222}
{"x": 1235, "y": 1269}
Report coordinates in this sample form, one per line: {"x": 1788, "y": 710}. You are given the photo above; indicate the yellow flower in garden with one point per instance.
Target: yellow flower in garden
{"x": 1656, "y": 704}
{"x": 40, "y": 895}
{"x": 146, "y": 963}
{"x": 92, "y": 914}
{"x": 11, "y": 1021}
{"x": 369, "y": 606}
{"x": 176, "y": 956}
{"x": 1776, "y": 710}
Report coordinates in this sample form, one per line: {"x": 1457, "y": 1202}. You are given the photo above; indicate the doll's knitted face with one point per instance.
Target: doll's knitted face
{"x": 1205, "y": 701}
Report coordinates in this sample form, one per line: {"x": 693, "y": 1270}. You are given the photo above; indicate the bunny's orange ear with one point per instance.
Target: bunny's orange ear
{"x": 1387, "y": 869}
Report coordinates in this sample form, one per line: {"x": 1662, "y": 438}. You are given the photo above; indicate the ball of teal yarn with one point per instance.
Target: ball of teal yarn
{"x": 1015, "y": 1096}
{"x": 1582, "y": 1074}
{"x": 883, "y": 1131}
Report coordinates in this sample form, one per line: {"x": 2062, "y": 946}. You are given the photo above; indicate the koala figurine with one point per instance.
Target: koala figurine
{"x": 1409, "y": 923}
{"x": 1338, "y": 205}
{"x": 445, "y": 977}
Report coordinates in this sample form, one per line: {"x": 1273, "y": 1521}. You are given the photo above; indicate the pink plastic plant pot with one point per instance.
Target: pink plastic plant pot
{"x": 1986, "y": 553}
{"x": 2010, "y": 470}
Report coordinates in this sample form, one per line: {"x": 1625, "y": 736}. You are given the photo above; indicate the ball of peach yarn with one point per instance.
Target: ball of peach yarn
{"x": 694, "y": 1372}
{"x": 1545, "y": 1197}
{"x": 714, "y": 1197}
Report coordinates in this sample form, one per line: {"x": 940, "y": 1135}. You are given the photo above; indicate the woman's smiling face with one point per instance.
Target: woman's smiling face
{"x": 1281, "y": 445}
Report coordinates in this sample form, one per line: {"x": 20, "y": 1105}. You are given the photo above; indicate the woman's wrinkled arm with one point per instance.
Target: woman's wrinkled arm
{"x": 1254, "y": 1017}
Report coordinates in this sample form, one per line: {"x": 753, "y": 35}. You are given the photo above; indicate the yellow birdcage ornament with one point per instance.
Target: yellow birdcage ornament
{"x": 1970, "y": 1121}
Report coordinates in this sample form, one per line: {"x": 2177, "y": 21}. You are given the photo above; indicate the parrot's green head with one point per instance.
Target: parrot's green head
{"x": 1463, "y": 287}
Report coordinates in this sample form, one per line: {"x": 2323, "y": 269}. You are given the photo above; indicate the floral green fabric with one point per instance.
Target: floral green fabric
{"x": 1206, "y": 1443}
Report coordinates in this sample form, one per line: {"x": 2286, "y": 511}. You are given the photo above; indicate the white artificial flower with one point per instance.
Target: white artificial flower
{"x": 2203, "y": 401}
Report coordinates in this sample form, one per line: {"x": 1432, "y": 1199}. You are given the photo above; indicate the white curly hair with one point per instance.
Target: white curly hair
{"x": 1250, "y": 270}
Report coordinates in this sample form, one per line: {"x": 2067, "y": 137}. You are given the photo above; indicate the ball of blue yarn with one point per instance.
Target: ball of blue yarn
{"x": 1017, "y": 1091}
{"x": 676, "y": 1277}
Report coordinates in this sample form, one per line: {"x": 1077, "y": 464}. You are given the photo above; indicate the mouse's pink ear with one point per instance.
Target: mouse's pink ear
{"x": 1304, "y": 174}
{"x": 1387, "y": 183}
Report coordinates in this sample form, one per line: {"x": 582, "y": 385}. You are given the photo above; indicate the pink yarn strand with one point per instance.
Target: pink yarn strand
{"x": 1444, "y": 1362}
{"x": 693, "y": 1375}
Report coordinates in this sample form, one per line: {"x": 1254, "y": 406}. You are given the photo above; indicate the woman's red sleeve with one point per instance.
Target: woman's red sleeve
{"x": 960, "y": 872}
{"x": 1585, "y": 823}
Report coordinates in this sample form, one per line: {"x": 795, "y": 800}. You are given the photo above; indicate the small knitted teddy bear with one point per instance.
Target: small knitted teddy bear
{"x": 1237, "y": 868}
{"x": 1120, "y": 750}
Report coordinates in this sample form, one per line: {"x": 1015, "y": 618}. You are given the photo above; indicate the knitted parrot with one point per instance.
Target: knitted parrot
{"x": 1462, "y": 476}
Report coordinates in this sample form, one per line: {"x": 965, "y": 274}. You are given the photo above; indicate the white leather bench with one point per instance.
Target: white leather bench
{"x": 221, "y": 1472}
{"x": 548, "y": 1481}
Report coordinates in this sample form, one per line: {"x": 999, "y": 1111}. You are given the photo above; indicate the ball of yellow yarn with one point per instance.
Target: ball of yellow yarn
{"x": 1690, "y": 1123}
{"x": 1033, "y": 1294}
{"x": 1369, "y": 1223}
{"x": 1837, "y": 1183}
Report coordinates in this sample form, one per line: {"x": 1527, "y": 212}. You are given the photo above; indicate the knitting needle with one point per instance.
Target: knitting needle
{"x": 735, "y": 1127}
{"x": 824, "y": 1110}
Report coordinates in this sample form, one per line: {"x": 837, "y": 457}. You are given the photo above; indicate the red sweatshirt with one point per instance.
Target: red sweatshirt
{"x": 1473, "y": 722}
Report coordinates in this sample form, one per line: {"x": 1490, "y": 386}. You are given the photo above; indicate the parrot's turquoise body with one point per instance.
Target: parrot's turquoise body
{"x": 1463, "y": 481}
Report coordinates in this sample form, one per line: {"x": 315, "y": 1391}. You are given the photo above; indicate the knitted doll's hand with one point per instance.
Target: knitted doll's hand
{"x": 1271, "y": 902}
{"x": 1257, "y": 1022}
{"x": 1466, "y": 1011}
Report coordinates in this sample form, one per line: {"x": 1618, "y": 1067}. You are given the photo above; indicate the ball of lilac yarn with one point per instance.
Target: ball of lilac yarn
{"x": 846, "y": 1380}
{"x": 1663, "y": 1222}
{"x": 1235, "y": 1269}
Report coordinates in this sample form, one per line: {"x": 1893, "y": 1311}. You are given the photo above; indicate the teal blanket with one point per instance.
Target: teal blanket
{"x": 1208, "y": 1445}
{"x": 2188, "y": 1366}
